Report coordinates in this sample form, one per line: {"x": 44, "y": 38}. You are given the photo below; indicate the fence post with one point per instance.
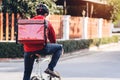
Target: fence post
{"x": 7, "y": 27}
{"x": 66, "y": 27}
{"x": 100, "y": 23}
{"x": 12, "y": 27}
{"x": 1, "y": 26}
{"x": 111, "y": 27}
{"x": 85, "y": 28}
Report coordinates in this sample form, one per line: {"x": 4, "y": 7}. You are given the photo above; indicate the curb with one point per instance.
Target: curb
{"x": 11, "y": 59}
{"x": 63, "y": 57}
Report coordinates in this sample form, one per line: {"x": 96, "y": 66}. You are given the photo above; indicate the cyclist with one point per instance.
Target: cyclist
{"x": 38, "y": 49}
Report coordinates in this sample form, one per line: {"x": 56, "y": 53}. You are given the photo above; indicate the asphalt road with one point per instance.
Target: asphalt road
{"x": 97, "y": 64}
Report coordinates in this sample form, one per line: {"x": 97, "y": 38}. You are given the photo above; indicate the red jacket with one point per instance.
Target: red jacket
{"x": 51, "y": 38}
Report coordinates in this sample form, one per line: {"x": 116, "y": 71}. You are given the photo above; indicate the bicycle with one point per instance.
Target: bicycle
{"x": 39, "y": 75}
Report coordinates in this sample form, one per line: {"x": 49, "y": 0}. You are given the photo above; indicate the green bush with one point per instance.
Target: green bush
{"x": 73, "y": 45}
{"x": 10, "y": 49}
{"x": 105, "y": 40}
{"x": 13, "y": 50}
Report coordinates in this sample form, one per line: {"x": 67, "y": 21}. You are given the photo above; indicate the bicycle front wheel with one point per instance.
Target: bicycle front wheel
{"x": 35, "y": 78}
{"x": 55, "y": 78}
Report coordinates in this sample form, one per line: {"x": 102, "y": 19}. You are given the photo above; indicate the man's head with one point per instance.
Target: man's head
{"x": 42, "y": 10}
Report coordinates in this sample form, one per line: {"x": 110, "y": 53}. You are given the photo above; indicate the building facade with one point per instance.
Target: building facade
{"x": 91, "y": 8}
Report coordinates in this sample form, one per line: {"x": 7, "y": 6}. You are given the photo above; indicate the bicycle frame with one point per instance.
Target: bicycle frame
{"x": 38, "y": 62}
{"x": 38, "y": 69}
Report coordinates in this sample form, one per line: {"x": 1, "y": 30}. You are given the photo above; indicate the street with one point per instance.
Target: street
{"x": 101, "y": 64}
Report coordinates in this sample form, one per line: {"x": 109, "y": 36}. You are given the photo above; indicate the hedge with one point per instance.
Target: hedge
{"x": 73, "y": 45}
{"x": 10, "y": 50}
{"x": 105, "y": 40}
{"x": 13, "y": 50}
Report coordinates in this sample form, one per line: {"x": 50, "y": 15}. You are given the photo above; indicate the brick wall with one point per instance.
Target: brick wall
{"x": 106, "y": 28}
{"x": 75, "y": 27}
{"x": 56, "y": 21}
{"x": 92, "y": 28}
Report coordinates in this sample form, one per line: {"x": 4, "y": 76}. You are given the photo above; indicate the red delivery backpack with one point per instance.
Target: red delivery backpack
{"x": 32, "y": 31}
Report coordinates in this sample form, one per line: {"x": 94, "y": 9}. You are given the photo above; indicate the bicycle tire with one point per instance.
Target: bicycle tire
{"x": 55, "y": 78}
{"x": 34, "y": 78}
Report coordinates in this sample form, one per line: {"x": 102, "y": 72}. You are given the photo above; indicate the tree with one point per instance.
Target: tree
{"x": 27, "y": 7}
{"x": 115, "y": 9}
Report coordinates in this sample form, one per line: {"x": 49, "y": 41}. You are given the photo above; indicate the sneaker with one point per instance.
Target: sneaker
{"x": 52, "y": 73}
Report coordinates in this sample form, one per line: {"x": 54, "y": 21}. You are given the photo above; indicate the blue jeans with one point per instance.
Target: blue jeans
{"x": 55, "y": 49}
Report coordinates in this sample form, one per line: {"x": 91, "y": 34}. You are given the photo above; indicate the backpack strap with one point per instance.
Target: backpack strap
{"x": 45, "y": 28}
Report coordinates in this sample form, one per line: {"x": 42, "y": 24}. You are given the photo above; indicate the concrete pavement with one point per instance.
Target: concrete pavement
{"x": 18, "y": 75}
